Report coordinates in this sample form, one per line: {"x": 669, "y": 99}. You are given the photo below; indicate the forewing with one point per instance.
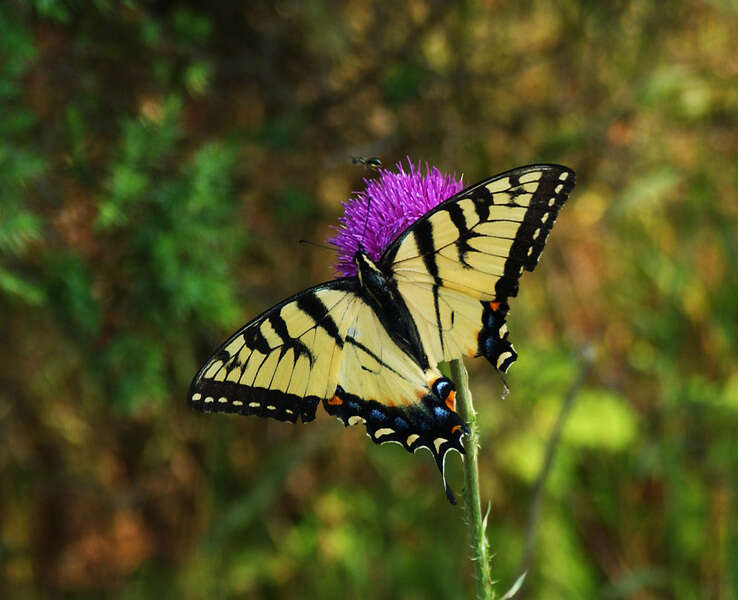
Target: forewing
{"x": 458, "y": 265}
{"x": 286, "y": 360}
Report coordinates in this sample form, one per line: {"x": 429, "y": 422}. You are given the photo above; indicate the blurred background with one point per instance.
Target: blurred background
{"x": 158, "y": 163}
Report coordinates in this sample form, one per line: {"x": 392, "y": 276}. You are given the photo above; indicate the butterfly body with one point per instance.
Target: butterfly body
{"x": 380, "y": 292}
{"x": 368, "y": 347}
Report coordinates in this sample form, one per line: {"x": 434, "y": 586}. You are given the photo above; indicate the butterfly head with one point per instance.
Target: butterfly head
{"x": 367, "y": 271}
{"x": 388, "y": 205}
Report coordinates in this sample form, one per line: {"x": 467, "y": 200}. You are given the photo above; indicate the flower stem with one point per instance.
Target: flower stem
{"x": 472, "y": 503}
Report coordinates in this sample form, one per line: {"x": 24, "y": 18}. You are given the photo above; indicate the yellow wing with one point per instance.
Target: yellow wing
{"x": 457, "y": 266}
{"x": 328, "y": 344}
{"x": 282, "y": 363}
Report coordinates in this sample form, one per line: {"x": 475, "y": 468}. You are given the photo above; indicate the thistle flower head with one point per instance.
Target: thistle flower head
{"x": 393, "y": 201}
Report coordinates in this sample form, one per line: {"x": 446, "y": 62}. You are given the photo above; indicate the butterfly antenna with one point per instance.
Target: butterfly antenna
{"x": 309, "y": 243}
{"x": 366, "y": 223}
{"x": 374, "y": 163}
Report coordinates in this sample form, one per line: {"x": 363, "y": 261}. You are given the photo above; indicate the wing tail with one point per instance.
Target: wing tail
{"x": 432, "y": 423}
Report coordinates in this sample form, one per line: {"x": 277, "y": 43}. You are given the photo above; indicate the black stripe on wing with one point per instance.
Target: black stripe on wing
{"x": 423, "y": 233}
{"x": 213, "y": 390}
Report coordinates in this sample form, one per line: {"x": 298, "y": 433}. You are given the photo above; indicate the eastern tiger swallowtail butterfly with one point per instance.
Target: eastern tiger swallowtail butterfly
{"x": 367, "y": 347}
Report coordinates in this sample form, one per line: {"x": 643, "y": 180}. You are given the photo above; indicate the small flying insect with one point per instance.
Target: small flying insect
{"x": 372, "y": 162}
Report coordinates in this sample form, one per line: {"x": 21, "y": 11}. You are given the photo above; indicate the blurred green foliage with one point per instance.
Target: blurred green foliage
{"x": 158, "y": 162}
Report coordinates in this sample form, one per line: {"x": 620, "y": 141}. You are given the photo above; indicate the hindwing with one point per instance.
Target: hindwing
{"x": 397, "y": 399}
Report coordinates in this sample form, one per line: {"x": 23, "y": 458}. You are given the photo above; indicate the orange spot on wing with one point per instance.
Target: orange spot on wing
{"x": 335, "y": 401}
{"x": 451, "y": 401}
{"x": 494, "y": 306}
{"x": 455, "y": 428}
{"x": 473, "y": 351}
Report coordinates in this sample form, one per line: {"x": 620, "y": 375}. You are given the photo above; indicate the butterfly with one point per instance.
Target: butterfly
{"x": 368, "y": 347}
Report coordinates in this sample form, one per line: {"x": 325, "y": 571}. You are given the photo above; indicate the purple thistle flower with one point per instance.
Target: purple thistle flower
{"x": 397, "y": 201}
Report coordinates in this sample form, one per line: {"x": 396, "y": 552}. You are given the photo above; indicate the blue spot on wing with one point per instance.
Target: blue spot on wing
{"x": 375, "y": 415}
{"x": 440, "y": 412}
{"x": 401, "y": 423}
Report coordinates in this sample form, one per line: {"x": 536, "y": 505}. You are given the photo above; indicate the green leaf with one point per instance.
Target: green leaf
{"x": 600, "y": 419}
{"x": 18, "y": 228}
{"x": 197, "y": 78}
{"x": 15, "y": 286}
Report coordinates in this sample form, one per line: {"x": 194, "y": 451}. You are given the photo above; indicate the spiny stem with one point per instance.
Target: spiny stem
{"x": 472, "y": 503}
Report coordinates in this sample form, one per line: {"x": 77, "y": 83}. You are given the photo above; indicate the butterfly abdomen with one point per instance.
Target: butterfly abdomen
{"x": 380, "y": 293}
